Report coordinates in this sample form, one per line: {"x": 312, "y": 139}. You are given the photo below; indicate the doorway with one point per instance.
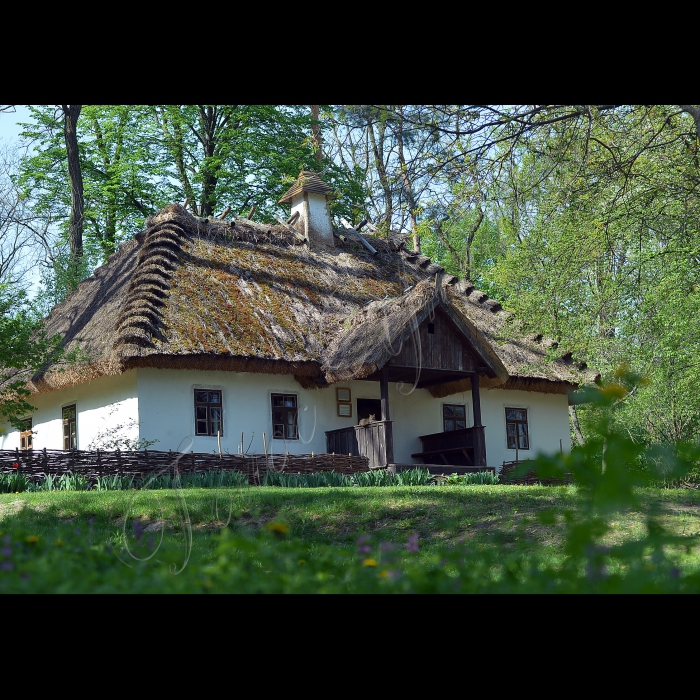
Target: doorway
{"x": 367, "y": 407}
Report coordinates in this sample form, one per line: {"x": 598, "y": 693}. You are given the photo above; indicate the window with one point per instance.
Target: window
{"x": 25, "y": 435}
{"x": 516, "y": 428}
{"x": 284, "y": 417}
{"x": 454, "y": 416}
{"x": 70, "y": 436}
{"x": 207, "y": 412}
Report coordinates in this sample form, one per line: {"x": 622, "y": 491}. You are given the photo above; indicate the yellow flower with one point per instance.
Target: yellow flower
{"x": 369, "y": 562}
{"x": 32, "y": 539}
{"x": 278, "y": 527}
{"x": 614, "y": 390}
{"x": 302, "y": 561}
{"x": 59, "y": 543}
{"x": 383, "y": 574}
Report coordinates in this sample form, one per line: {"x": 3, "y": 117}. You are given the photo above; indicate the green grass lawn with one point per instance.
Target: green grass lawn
{"x": 347, "y": 540}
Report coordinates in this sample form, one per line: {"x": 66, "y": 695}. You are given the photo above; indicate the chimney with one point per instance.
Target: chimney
{"x": 309, "y": 196}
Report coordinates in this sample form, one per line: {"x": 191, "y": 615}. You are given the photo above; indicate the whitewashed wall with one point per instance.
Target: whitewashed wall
{"x": 167, "y": 413}
{"x": 165, "y": 409}
{"x": 101, "y": 403}
{"x": 548, "y": 423}
{"x": 166, "y": 403}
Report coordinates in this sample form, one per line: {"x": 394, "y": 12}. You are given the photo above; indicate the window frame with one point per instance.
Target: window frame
{"x": 66, "y": 421}
{"x": 517, "y": 422}
{"x": 207, "y": 406}
{"x": 446, "y": 418}
{"x": 285, "y": 411}
{"x": 26, "y": 441}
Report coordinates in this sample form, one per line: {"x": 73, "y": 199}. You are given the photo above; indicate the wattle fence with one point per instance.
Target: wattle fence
{"x": 529, "y": 478}
{"x": 92, "y": 464}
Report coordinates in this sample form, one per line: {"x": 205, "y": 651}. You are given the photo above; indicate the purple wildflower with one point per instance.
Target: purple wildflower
{"x": 7, "y": 566}
{"x": 6, "y": 551}
{"x": 138, "y": 530}
{"x": 362, "y": 546}
{"x": 412, "y": 545}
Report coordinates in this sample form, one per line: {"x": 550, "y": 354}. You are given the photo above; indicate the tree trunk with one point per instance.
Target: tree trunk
{"x": 316, "y": 133}
{"x": 694, "y": 112}
{"x": 378, "y": 150}
{"x": 75, "y": 227}
{"x": 408, "y": 186}
{"x": 208, "y": 139}
{"x": 574, "y": 422}
{"x": 468, "y": 247}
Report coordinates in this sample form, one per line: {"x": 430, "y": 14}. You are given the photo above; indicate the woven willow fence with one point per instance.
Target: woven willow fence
{"x": 530, "y": 478}
{"x": 37, "y": 463}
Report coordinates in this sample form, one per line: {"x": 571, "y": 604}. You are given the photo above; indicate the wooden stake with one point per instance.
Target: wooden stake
{"x": 289, "y": 227}
{"x": 224, "y": 213}
{"x": 359, "y": 237}
{"x": 361, "y": 224}
{"x": 252, "y": 211}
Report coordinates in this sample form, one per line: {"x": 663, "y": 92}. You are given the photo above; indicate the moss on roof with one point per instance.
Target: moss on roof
{"x": 186, "y": 292}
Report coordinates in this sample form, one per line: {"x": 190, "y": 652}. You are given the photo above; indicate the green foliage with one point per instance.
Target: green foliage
{"x": 471, "y": 479}
{"x": 317, "y": 480}
{"x": 24, "y": 349}
{"x": 123, "y": 182}
{"x": 414, "y": 477}
{"x": 374, "y": 477}
{"x": 14, "y": 483}
{"x": 114, "y": 482}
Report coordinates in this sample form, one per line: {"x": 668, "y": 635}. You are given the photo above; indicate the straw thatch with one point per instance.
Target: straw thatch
{"x": 209, "y": 294}
{"x": 307, "y": 182}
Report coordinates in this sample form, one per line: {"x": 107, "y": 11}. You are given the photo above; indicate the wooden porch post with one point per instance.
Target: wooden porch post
{"x": 476, "y": 400}
{"x": 388, "y": 432}
{"x": 479, "y": 441}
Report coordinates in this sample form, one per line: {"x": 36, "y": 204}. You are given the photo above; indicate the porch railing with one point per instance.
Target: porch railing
{"x": 465, "y": 446}
{"x": 374, "y": 441}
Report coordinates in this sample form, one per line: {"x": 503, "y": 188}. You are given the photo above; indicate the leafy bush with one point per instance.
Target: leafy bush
{"x": 114, "y": 483}
{"x": 316, "y": 480}
{"x": 374, "y": 477}
{"x": 11, "y": 483}
{"x": 480, "y": 478}
{"x": 414, "y": 477}
{"x": 73, "y": 482}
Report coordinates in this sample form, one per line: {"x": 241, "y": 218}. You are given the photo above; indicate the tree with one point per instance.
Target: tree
{"x": 19, "y": 226}
{"x": 24, "y": 349}
{"x": 395, "y": 155}
{"x": 234, "y": 155}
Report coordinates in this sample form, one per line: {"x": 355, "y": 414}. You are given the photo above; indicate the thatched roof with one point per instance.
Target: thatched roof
{"x": 211, "y": 294}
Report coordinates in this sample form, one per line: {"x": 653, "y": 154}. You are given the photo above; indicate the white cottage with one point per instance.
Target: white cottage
{"x": 236, "y": 335}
